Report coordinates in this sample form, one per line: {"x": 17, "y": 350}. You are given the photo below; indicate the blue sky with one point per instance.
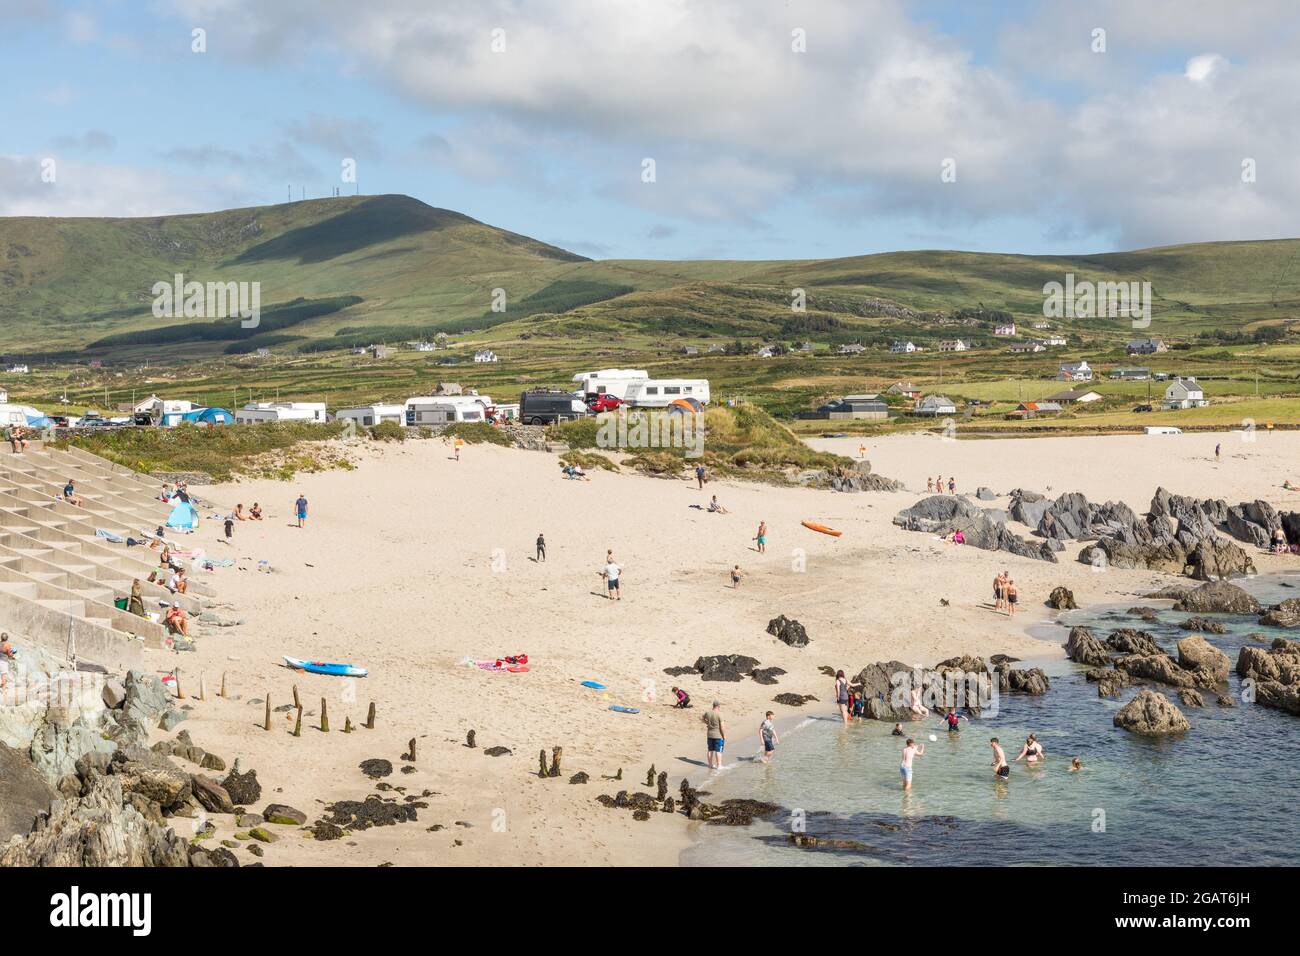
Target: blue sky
{"x": 760, "y": 150}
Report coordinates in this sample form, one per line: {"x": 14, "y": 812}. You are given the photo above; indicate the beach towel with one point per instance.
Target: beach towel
{"x": 115, "y": 538}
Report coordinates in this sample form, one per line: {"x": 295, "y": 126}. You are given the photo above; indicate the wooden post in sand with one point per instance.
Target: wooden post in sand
{"x": 347, "y": 725}
{"x": 410, "y": 756}
{"x": 296, "y": 702}
{"x": 203, "y": 690}
{"x": 297, "y": 724}
{"x": 223, "y": 684}
{"x": 324, "y": 717}
{"x": 370, "y": 718}
{"x": 267, "y": 725}
{"x": 180, "y": 694}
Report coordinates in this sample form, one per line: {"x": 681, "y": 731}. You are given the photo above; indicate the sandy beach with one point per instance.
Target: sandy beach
{"x": 413, "y": 562}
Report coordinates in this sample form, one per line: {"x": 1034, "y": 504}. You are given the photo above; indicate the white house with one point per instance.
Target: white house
{"x": 372, "y": 414}
{"x": 1054, "y": 340}
{"x": 908, "y": 346}
{"x": 18, "y": 370}
{"x": 486, "y": 355}
{"x": 1184, "y": 393}
{"x": 1006, "y": 328}
{"x": 936, "y": 405}
{"x": 4, "y": 396}
{"x": 255, "y": 413}
{"x": 1023, "y": 347}
{"x": 853, "y": 348}
{"x": 954, "y": 345}
{"x": 767, "y": 351}
{"x": 1075, "y": 372}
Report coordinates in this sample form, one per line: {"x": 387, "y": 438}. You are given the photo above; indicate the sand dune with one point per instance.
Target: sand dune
{"x": 413, "y": 562}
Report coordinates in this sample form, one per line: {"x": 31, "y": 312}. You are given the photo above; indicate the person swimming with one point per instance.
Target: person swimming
{"x": 1032, "y": 752}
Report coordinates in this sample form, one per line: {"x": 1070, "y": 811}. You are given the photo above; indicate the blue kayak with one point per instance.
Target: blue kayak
{"x": 321, "y": 667}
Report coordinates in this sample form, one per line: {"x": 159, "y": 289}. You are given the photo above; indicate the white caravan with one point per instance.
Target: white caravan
{"x": 609, "y": 381}
{"x": 662, "y": 392}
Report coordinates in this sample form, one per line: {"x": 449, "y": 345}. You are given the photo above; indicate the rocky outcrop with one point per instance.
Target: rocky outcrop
{"x": 1162, "y": 669}
{"x": 1203, "y": 624}
{"x": 1028, "y": 681}
{"x": 940, "y": 514}
{"x": 788, "y": 631}
{"x": 1286, "y": 614}
{"x": 1083, "y": 647}
{"x": 1275, "y": 672}
{"x": 99, "y": 828}
{"x": 1217, "y": 597}
{"x": 1108, "y": 680}
{"x": 1151, "y": 714}
{"x": 1061, "y": 598}
{"x": 1217, "y": 558}
{"x": 24, "y": 794}
{"x": 1200, "y": 656}
{"x": 1126, "y": 640}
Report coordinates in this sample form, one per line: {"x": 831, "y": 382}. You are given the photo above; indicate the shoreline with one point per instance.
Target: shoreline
{"x": 398, "y": 571}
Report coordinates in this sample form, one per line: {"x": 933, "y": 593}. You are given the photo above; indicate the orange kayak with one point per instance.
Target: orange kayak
{"x": 814, "y": 526}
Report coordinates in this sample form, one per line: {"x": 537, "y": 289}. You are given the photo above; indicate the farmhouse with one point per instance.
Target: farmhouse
{"x": 1130, "y": 374}
{"x": 954, "y": 345}
{"x": 1021, "y": 348}
{"x": 1005, "y": 329}
{"x": 1075, "y": 396}
{"x": 380, "y": 351}
{"x": 906, "y": 389}
{"x": 936, "y": 405}
{"x": 1184, "y": 393}
{"x": 1035, "y": 409}
{"x": 1075, "y": 372}
{"x": 852, "y": 407}
{"x": 485, "y": 355}
{"x": 853, "y": 348}
{"x": 1146, "y": 347}
{"x": 901, "y": 346}
{"x": 1054, "y": 341}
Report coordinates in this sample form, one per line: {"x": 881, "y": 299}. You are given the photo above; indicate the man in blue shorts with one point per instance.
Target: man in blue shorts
{"x": 717, "y": 735}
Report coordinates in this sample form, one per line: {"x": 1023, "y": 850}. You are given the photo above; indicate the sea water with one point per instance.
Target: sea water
{"x": 1224, "y": 793}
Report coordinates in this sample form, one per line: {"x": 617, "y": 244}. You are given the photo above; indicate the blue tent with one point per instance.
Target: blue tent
{"x": 39, "y": 421}
{"x": 183, "y": 516}
{"x": 209, "y": 416}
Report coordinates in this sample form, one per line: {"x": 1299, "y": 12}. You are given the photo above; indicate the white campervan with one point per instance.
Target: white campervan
{"x": 662, "y": 392}
{"x": 372, "y": 414}
{"x": 442, "y": 412}
{"x": 609, "y": 381}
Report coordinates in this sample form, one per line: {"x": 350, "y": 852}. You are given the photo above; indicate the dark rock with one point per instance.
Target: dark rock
{"x": 324, "y": 830}
{"x": 1217, "y": 597}
{"x": 1286, "y": 614}
{"x": 1083, "y": 648}
{"x": 497, "y": 751}
{"x": 793, "y": 700}
{"x": 1109, "y": 681}
{"x": 24, "y": 794}
{"x": 1061, "y": 598}
{"x": 371, "y": 812}
{"x": 1202, "y": 624}
{"x": 788, "y": 631}
{"x": 1126, "y": 640}
{"x": 940, "y": 514}
{"x": 1190, "y": 698}
{"x": 211, "y": 795}
{"x": 1151, "y": 714}
{"x": 579, "y": 777}
{"x": 284, "y": 815}
{"x": 985, "y": 494}
{"x": 725, "y": 667}
{"x": 679, "y": 671}
{"x": 765, "y": 675}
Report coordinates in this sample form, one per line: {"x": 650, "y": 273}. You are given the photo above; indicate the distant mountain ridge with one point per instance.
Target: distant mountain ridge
{"x": 336, "y": 271}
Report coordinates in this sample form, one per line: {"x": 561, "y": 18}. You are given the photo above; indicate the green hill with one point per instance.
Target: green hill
{"x": 351, "y": 270}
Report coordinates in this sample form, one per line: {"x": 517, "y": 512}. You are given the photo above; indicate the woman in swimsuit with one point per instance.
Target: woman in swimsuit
{"x": 1032, "y": 752}
{"x": 842, "y": 695}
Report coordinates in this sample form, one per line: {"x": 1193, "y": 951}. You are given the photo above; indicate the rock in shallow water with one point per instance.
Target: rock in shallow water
{"x": 1151, "y": 714}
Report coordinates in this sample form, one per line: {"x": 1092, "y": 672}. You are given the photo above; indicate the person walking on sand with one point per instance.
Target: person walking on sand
{"x": 1217, "y": 448}
{"x": 767, "y": 731}
{"x": 699, "y": 475}
{"x": 938, "y": 484}
{"x": 1000, "y": 766}
{"x": 541, "y": 547}
{"x": 716, "y": 735}
{"x": 842, "y": 695}
{"x": 999, "y": 590}
{"x": 300, "y": 509}
{"x": 929, "y": 484}
{"x": 735, "y": 577}
{"x": 611, "y": 575}
{"x": 1012, "y": 597}
{"x": 952, "y": 485}
{"x": 761, "y": 537}
{"x": 862, "y": 451}
{"x": 456, "y": 447}
{"x": 910, "y": 751}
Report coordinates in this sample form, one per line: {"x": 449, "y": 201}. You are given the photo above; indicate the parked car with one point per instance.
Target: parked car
{"x": 604, "y": 403}
{"x": 1143, "y": 408}
{"x": 545, "y": 407}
